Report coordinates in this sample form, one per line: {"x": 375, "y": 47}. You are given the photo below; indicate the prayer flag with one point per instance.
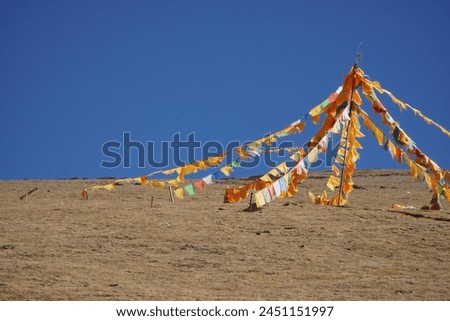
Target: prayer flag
{"x": 189, "y": 189}
{"x": 179, "y": 193}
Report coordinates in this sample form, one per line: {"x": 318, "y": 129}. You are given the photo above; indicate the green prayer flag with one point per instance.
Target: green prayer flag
{"x": 189, "y": 189}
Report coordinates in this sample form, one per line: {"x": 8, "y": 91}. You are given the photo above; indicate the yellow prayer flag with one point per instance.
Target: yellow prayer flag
{"x": 339, "y": 201}
{"x": 226, "y": 170}
{"x": 358, "y": 133}
{"x": 332, "y": 182}
{"x": 313, "y": 155}
{"x": 173, "y": 182}
{"x": 313, "y": 197}
{"x": 188, "y": 169}
{"x": 324, "y": 198}
{"x": 170, "y": 171}
{"x": 128, "y": 180}
{"x": 214, "y": 161}
{"x": 413, "y": 169}
{"x": 335, "y": 170}
{"x": 200, "y": 164}
{"x": 377, "y": 86}
{"x": 428, "y": 181}
{"x": 295, "y": 156}
{"x": 379, "y": 135}
{"x": 273, "y": 172}
{"x": 397, "y": 101}
{"x": 108, "y": 187}
{"x": 259, "y": 199}
{"x": 179, "y": 193}
{"x": 447, "y": 192}
{"x": 158, "y": 184}
{"x": 315, "y": 111}
{"x": 282, "y": 168}
{"x": 339, "y": 159}
{"x": 357, "y": 98}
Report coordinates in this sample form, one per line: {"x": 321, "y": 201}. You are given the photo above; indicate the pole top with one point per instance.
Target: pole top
{"x": 358, "y": 56}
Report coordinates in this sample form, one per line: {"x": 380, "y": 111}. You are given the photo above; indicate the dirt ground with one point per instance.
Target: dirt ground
{"x": 115, "y": 246}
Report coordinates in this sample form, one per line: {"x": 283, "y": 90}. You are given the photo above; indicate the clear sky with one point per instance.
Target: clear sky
{"x": 77, "y": 74}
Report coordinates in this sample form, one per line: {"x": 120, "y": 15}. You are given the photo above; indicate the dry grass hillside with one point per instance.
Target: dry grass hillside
{"x": 115, "y": 246}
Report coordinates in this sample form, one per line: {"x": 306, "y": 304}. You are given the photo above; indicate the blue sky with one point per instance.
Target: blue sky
{"x": 76, "y": 74}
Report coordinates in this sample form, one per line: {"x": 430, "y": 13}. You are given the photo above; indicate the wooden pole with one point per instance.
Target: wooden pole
{"x": 355, "y": 68}
{"x": 28, "y": 193}
{"x": 250, "y": 204}
{"x": 171, "y": 194}
{"x": 151, "y": 203}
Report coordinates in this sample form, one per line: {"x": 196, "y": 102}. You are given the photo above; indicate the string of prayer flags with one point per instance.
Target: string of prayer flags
{"x": 319, "y": 109}
{"x": 418, "y": 168}
{"x": 369, "y": 85}
{"x": 244, "y": 151}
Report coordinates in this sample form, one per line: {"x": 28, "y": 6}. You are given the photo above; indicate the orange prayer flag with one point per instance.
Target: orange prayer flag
{"x": 84, "y": 194}
{"x": 215, "y": 160}
{"x": 297, "y": 128}
{"x": 234, "y": 195}
{"x": 378, "y": 107}
{"x": 315, "y": 119}
{"x": 347, "y": 187}
{"x": 144, "y": 180}
{"x": 188, "y": 169}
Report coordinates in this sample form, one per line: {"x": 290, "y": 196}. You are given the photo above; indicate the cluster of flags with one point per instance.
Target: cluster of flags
{"x": 342, "y": 110}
